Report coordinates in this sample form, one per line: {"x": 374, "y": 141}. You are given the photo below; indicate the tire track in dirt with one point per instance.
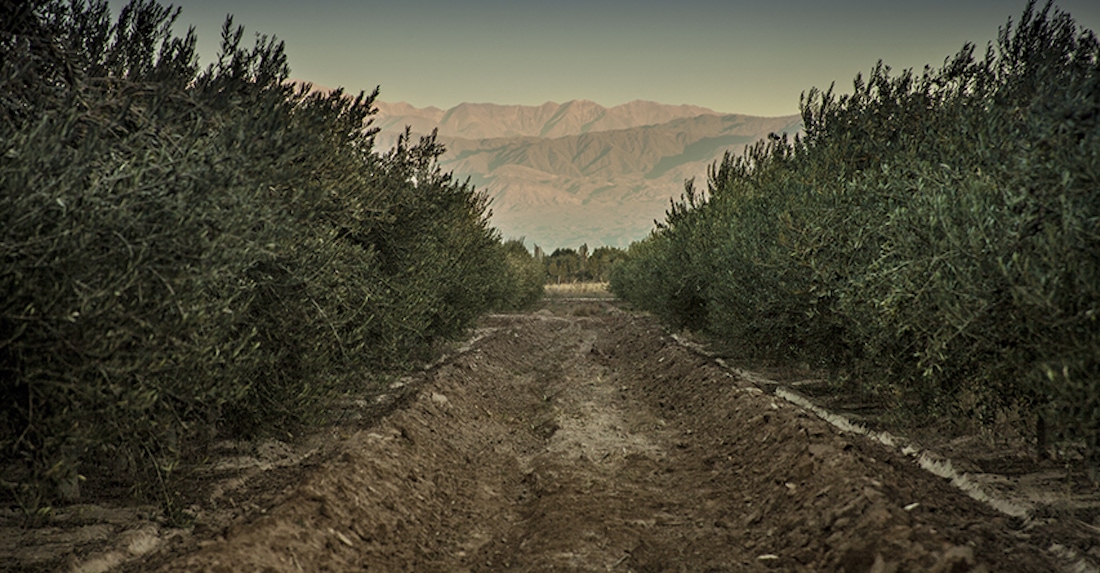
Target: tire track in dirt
{"x": 597, "y": 443}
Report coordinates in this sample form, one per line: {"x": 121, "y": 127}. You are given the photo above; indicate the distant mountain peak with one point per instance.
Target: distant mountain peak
{"x": 563, "y": 174}
{"x": 551, "y": 119}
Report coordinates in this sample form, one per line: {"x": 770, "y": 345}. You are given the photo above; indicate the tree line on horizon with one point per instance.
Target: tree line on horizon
{"x": 566, "y": 265}
{"x": 932, "y": 240}
{"x": 190, "y": 254}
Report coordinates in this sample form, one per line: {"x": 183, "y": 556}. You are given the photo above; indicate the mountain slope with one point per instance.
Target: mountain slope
{"x": 565, "y": 174}
{"x": 485, "y": 120}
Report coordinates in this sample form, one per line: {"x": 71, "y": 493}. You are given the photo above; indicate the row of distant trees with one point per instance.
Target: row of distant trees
{"x": 566, "y": 265}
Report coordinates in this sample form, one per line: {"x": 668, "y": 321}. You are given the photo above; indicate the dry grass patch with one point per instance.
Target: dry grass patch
{"x": 578, "y": 290}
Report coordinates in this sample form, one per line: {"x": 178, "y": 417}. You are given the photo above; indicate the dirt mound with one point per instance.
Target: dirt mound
{"x": 560, "y": 442}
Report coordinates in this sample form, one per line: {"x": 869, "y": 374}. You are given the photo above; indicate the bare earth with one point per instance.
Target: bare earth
{"x": 577, "y": 438}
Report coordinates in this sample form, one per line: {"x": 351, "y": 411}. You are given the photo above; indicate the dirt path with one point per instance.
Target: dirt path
{"x": 590, "y": 441}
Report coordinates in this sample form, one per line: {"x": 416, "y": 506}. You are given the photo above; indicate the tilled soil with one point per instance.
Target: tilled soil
{"x": 592, "y": 441}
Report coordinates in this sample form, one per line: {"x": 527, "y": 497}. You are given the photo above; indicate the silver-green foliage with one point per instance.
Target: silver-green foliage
{"x": 934, "y": 238}
{"x": 523, "y": 278}
{"x": 190, "y": 252}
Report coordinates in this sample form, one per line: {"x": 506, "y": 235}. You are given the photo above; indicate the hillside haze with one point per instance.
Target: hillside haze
{"x": 486, "y": 120}
{"x": 565, "y": 174}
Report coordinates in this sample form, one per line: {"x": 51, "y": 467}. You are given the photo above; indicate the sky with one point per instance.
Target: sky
{"x": 731, "y": 56}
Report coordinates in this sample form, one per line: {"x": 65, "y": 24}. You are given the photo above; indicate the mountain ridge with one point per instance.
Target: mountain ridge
{"x": 577, "y": 172}
{"x": 550, "y": 119}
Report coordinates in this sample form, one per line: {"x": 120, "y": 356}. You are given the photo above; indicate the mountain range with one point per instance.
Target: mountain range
{"x": 561, "y": 175}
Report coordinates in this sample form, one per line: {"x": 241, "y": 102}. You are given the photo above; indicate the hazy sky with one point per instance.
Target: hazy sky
{"x": 731, "y": 56}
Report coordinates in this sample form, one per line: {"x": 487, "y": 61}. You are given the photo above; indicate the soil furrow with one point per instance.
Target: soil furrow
{"x": 597, "y": 443}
